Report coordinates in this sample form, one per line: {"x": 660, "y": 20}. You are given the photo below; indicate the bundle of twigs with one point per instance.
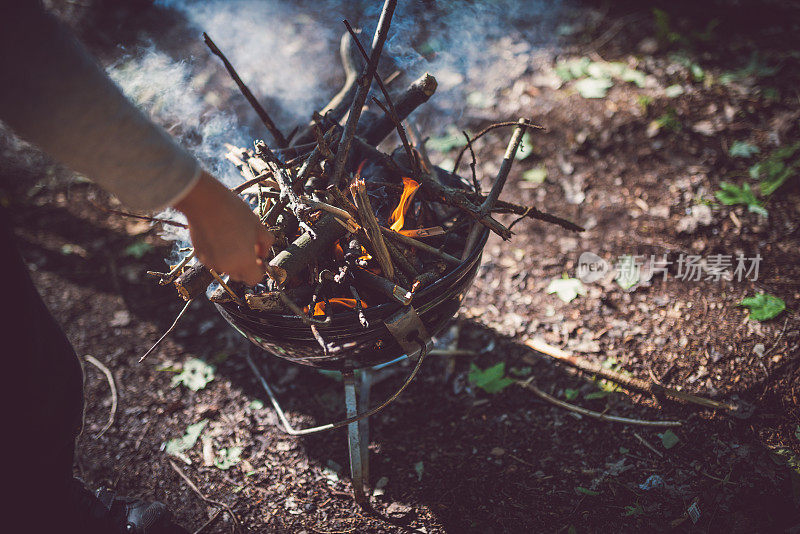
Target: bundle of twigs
{"x": 354, "y": 226}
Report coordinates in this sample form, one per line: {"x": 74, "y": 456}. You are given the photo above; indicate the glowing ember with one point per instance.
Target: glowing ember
{"x": 319, "y": 307}
{"x": 398, "y": 216}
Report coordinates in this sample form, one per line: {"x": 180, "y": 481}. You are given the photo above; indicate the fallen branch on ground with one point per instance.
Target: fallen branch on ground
{"x": 111, "y": 384}
{"x": 589, "y": 413}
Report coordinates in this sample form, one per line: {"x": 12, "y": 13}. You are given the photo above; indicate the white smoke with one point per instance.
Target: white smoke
{"x": 287, "y": 54}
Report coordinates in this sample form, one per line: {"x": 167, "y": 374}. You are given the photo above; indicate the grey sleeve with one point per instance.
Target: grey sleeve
{"x": 55, "y": 95}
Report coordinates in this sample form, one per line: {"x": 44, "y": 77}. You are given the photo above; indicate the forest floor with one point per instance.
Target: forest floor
{"x": 638, "y": 167}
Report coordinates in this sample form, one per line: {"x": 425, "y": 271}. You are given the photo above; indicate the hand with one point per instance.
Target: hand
{"x": 227, "y": 236}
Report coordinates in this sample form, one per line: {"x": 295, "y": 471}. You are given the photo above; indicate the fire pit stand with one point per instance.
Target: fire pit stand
{"x": 410, "y": 333}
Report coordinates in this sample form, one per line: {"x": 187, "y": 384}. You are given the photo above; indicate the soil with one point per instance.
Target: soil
{"x": 458, "y": 459}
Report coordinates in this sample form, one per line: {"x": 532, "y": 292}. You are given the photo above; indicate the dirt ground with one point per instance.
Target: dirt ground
{"x": 455, "y": 458}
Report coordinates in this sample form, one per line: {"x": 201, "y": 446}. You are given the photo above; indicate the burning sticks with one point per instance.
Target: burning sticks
{"x": 350, "y": 239}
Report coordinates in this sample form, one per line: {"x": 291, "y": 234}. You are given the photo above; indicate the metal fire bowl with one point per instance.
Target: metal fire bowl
{"x": 357, "y": 347}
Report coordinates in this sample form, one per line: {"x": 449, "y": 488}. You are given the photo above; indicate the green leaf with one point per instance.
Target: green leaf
{"x": 179, "y": 445}
{"x": 593, "y": 87}
{"x": 491, "y": 380}
{"x": 256, "y": 404}
{"x": 634, "y": 510}
{"x": 697, "y": 72}
{"x": 571, "y": 394}
{"x": 633, "y": 76}
{"x": 775, "y": 169}
{"x": 567, "y": 289}
{"x": 138, "y": 249}
{"x": 196, "y": 374}
{"x": 743, "y": 149}
{"x": 536, "y": 175}
{"x": 731, "y": 195}
{"x": 585, "y": 491}
{"x": 227, "y": 458}
{"x": 669, "y": 439}
{"x": 596, "y": 395}
{"x": 573, "y": 68}
{"x": 669, "y": 120}
{"x": 763, "y": 306}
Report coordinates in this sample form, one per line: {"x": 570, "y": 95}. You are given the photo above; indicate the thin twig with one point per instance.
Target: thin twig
{"x": 497, "y": 187}
{"x": 411, "y": 242}
{"x": 484, "y": 132}
{"x": 364, "y": 82}
{"x": 280, "y": 140}
{"x": 310, "y": 321}
{"x": 647, "y": 444}
{"x": 590, "y": 413}
{"x": 626, "y": 381}
{"x": 194, "y": 488}
{"x": 169, "y": 330}
{"x": 392, "y": 111}
{"x": 208, "y": 523}
{"x": 110, "y": 377}
{"x": 225, "y": 286}
{"x": 472, "y": 164}
{"x": 142, "y": 217}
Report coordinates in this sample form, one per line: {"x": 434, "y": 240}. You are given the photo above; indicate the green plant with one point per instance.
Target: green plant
{"x": 763, "y": 306}
{"x": 778, "y": 167}
{"x": 742, "y": 149}
{"x": 491, "y": 380}
{"x": 668, "y": 439}
{"x": 178, "y": 446}
{"x": 634, "y": 510}
{"x": 732, "y": 195}
{"x": 196, "y": 374}
{"x": 669, "y": 121}
{"x": 595, "y": 78}
{"x": 227, "y": 458}
{"x": 566, "y": 288}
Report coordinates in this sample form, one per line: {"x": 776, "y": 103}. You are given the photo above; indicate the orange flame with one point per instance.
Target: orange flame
{"x": 398, "y": 216}
{"x": 319, "y": 307}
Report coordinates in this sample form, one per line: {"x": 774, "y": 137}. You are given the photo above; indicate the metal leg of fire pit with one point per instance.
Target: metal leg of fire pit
{"x": 356, "y": 396}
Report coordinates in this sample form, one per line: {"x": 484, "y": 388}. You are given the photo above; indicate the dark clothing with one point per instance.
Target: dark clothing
{"x": 44, "y": 392}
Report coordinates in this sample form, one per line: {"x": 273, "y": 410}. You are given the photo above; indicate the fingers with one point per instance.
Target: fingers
{"x": 264, "y": 241}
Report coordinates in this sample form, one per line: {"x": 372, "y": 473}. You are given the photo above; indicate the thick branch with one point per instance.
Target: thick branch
{"x": 306, "y": 249}
{"x": 371, "y": 227}
{"x": 364, "y": 81}
{"x": 415, "y": 95}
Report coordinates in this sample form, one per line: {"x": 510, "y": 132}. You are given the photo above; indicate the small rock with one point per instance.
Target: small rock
{"x": 648, "y": 46}
{"x": 398, "y": 509}
{"x": 121, "y": 318}
{"x": 705, "y": 128}
{"x": 497, "y": 451}
{"x": 660, "y": 211}
{"x": 759, "y": 349}
{"x": 699, "y": 216}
